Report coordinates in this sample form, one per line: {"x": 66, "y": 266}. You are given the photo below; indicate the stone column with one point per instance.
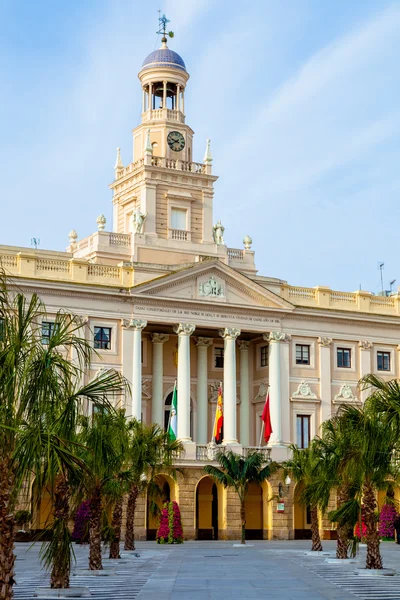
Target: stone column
{"x": 127, "y": 361}
{"x": 164, "y": 99}
{"x": 325, "y": 377}
{"x": 178, "y": 98}
{"x": 137, "y": 326}
{"x": 365, "y": 363}
{"x": 184, "y": 331}
{"x": 279, "y": 385}
{"x": 244, "y": 392}
{"x": 143, "y": 100}
{"x": 229, "y": 391}
{"x": 157, "y": 408}
{"x": 202, "y": 344}
{"x": 183, "y": 101}
{"x": 150, "y": 96}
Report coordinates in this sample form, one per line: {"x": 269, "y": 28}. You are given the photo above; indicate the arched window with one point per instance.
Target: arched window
{"x": 167, "y": 411}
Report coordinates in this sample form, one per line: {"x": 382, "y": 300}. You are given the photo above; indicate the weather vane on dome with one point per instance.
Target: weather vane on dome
{"x": 162, "y": 29}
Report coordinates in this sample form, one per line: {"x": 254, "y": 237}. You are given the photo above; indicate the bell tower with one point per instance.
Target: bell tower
{"x": 163, "y": 77}
{"x": 163, "y": 199}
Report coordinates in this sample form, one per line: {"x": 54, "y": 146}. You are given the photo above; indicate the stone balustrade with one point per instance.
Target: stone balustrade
{"x": 236, "y": 254}
{"x": 163, "y": 114}
{"x": 40, "y": 266}
{"x": 208, "y": 452}
{"x": 359, "y": 301}
{"x": 165, "y": 163}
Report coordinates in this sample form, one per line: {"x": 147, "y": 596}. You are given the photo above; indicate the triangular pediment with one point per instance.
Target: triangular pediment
{"x": 212, "y": 282}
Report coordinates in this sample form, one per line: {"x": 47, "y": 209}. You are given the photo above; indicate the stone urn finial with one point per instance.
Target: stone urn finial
{"x": 247, "y": 241}
{"x": 73, "y": 236}
{"x": 101, "y": 222}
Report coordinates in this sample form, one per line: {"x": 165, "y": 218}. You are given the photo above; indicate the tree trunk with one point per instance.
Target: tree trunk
{"x": 374, "y": 558}
{"x": 316, "y": 540}
{"x": 7, "y": 558}
{"x": 343, "y": 531}
{"x": 243, "y": 521}
{"x": 116, "y": 525}
{"x": 130, "y": 518}
{"x": 61, "y": 559}
{"x": 95, "y": 531}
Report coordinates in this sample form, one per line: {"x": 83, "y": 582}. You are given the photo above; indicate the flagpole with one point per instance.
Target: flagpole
{"x": 263, "y": 423}
{"x": 169, "y": 418}
{"x": 261, "y": 434}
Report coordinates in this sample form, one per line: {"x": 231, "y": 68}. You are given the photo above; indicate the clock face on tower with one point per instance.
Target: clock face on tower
{"x": 176, "y": 141}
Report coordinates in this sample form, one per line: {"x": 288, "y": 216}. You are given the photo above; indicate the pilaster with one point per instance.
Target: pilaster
{"x": 244, "y": 392}
{"x": 229, "y": 391}
{"x": 324, "y": 344}
{"x": 157, "y": 408}
{"x": 202, "y": 345}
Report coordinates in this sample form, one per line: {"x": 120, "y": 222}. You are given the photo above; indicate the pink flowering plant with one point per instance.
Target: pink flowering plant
{"x": 170, "y": 528}
{"x": 386, "y": 521}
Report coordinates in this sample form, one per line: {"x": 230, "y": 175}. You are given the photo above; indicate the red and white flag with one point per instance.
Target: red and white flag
{"x": 266, "y": 417}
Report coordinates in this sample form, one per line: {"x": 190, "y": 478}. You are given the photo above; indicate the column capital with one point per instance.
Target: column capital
{"x": 364, "y": 345}
{"x": 277, "y": 336}
{"x": 203, "y": 342}
{"x": 184, "y": 328}
{"x": 243, "y": 345}
{"x": 159, "y": 338}
{"x": 81, "y": 321}
{"x": 325, "y": 341}
{"x": 135, "y": 324}
{"x": 229, "y": 333}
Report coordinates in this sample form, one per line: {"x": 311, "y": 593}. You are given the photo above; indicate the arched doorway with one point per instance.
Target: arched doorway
{"x": 206, "y": 510}
{"x": 163, "y": 491}
{"x": 254, "y": 512}
{"x": 167, "y": 412}
{"x": 42, "y": 509}
{"x": 301, "y": 516}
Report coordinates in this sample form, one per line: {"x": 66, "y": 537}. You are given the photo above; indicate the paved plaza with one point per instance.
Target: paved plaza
{"x": 218, "y": 570}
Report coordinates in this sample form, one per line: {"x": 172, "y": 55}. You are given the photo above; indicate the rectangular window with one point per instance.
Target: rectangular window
{"x": 383, "y": 361}
{"x": 264, "y": 356}
{"x": 344, "y": 357}
{"x": 102, "y": 338}
{"x": 303, "y": 430}
{"x": 178, "y": 218}
{"x": 48, "y": 329}
{"x": 302, "y": 354}
{"x": 219, "y": 358}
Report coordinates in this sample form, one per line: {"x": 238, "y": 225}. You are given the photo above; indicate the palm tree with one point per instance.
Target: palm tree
{"x": 39, "y": 400}
{"x": 305, "y": 467}
{"x": 333, "y": 447}
{"x": 238, "y": 472}
{"x": 151, "y": 452}
{"x": 100, "y": 439}
{"x": 369, "y": 464}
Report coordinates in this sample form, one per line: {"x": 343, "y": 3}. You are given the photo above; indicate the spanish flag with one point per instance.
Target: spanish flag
{"x": 219, "y": 419}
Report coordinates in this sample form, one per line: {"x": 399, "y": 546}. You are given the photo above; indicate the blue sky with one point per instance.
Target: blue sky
{"x": 299, "y": 98}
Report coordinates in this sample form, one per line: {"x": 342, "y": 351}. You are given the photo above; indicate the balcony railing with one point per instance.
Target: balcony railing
{"x": 179, "y": 234}
{"x": 208, "y": 452}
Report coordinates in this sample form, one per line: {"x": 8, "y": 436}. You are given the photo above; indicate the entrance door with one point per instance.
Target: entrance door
{"x": 207, "y": 510}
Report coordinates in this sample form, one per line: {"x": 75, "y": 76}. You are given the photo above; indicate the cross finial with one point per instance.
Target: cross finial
{"x": 162, "y": 28}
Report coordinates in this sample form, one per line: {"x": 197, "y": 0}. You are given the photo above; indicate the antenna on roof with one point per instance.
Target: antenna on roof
{"x": 35, "y": 243}
{"x": 380, "y": 267}
{"x": 162, "y": 27}
{"x": 391, "y": 284}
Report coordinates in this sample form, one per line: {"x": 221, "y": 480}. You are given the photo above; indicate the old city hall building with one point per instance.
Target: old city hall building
{"x": 163, "y": 298}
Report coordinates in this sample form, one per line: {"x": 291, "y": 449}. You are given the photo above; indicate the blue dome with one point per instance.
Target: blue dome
{"x": 164, "y": 57}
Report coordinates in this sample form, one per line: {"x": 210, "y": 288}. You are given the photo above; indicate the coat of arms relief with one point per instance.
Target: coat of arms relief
{"x": 211, "y": 288}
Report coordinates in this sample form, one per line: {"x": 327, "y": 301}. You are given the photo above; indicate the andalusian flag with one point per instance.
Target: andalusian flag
{"x": 173, "y": 418}
{"x": 219, "y": 419}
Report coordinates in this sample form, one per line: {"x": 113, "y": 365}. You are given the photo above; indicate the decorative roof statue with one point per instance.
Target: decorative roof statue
{"x": 101, "y": 222}
{"x": 218, "y": 233}
{"x": 138, "y": 219}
